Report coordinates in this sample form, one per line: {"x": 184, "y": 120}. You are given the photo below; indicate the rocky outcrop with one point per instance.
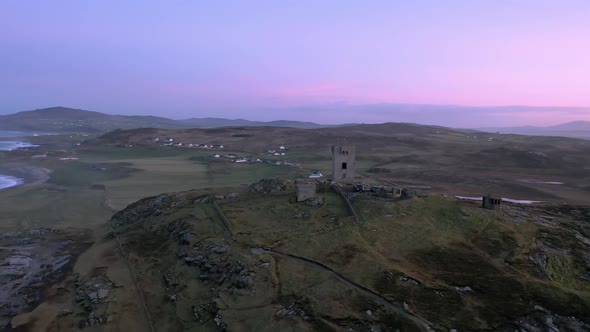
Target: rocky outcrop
{"x": 271, "y": 186}
{"x": 293, "y": 310}
{"x": 32, "y": 260}
{"x": 216, "y": 267}
{"x": 93, "y": 296}
{"x": 541, "y": 320}
{"x": 315, "y": 201}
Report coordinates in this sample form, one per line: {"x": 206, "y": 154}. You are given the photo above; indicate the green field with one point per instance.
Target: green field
{"x": 119, "y": 177}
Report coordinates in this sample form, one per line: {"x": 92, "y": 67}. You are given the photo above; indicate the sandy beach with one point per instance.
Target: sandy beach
{"x": 16, "y": 174}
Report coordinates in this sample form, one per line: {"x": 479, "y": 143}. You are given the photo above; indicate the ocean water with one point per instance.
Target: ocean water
{"x": 13, "y": 145}
{"x": 9, "y": 133}
{"x": 8, "y": 145}
{"x": 7, "y": 181}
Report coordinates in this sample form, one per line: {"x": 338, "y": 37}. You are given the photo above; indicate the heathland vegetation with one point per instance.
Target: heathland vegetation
{"x": 171, "y": 237}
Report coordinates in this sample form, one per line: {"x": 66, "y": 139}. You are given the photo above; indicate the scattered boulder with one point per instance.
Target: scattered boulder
{"x": 204, "y": 312}
{"x": 542, "y": 319}
{"x": 406, "y": 306}
{"x": 170, "y": 279}
{"x": 204, "y": 199}
{"x": 315, "y": 201}
{"x": 219, "y": 323}
{"x": 463, "y": 289}
{"x": 95, "y": 319}
{"x": 217, "y": 248}
{"x": 96, "y": 290}
{"x": 302, "y": 215}
{"x": 404, "y": 278}
{"x": 245, "y": 280}
{"x": 270, "y": 186}
{"x": 294, "y": 310}
{"x": 185, "y": 238}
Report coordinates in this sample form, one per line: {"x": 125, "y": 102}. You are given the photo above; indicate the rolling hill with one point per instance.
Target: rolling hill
{"x": 220, "y": 122}
{"x": 68, "y": 120}
{"x": 576, "y": 129}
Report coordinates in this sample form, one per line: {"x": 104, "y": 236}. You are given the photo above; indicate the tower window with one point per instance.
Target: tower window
{"x": 344, "y": 165}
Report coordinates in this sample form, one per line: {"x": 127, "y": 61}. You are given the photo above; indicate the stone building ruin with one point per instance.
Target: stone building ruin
{"x": 305, "y": 190}
{"x": 491, "y": 203}
{"x": 343, "y": 163}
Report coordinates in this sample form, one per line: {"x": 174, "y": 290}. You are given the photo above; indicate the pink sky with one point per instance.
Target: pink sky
{"x": 198, "y": 59}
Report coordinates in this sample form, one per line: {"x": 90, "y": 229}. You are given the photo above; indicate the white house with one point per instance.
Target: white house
{"x": 282, "y": 147}
{"x": 242, "y": 160}
{"x": 316, "y": 175}
{"x": 217, "y": 156}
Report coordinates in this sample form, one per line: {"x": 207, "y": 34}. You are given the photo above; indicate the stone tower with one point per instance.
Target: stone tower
{"x": 343, "y": 163}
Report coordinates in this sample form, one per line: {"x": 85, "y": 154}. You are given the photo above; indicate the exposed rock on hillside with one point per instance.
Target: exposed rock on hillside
{"x": 270, "y": 186}
{"x": 31, "y": 261}
{"x": 455, "y": 262}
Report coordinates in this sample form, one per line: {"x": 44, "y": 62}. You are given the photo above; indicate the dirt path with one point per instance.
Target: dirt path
{"x": 140, "y": 294}
{"x": 420, "y": 322}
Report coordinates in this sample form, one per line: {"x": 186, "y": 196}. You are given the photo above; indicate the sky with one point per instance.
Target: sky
{"x": 323, "y": 61}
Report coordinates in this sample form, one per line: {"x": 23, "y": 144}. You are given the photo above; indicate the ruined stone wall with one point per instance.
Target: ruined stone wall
{"x": 491, "y": 203}
{"x": 305, "y": 190}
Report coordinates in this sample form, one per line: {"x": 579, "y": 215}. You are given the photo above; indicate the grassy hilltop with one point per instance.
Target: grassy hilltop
{"x": 414, "y": 265}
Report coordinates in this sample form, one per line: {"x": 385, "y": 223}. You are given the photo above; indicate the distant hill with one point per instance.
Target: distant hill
{"x": 219, "y": 122}
{"x": 67, "y": 120}
{"x": 575, "y": 129}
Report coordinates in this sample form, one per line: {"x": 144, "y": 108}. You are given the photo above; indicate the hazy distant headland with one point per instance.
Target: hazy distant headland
{"x": 69, "y": 120}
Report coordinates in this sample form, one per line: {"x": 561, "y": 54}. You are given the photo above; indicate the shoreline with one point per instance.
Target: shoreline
{"x": 8, "y": 181}
{"x": 23, "y": 174}
{"x": 12, "y": 145}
